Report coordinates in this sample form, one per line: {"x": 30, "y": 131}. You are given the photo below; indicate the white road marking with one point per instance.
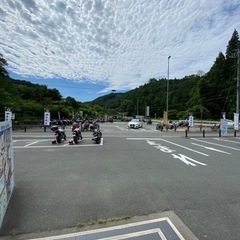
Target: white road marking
{"x": 210, "y": 148}
{"x": 120, "y": 128}
{"x": 58, "y": 145}
{"x": 187, "y": 160}
{"x": 119, "y": 227}
{"x": 32, "y": 143}
{"x": 160, "y": 139}
{"x": 224, "y": 140}
{"x": 204, "y": 154}
{"x": 236, "y": 149}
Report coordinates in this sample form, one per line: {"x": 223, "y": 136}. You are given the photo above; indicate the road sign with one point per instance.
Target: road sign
{"x": 224, "y": 127}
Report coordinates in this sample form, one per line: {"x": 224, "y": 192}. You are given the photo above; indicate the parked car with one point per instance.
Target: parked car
{"x": 135, "y": 123}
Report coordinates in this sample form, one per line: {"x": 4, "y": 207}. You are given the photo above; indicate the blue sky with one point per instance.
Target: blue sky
{"x": 86, "y": 48}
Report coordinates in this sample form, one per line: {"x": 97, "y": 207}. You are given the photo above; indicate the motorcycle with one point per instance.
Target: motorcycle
{"x": 59, "y": 134}
{"x": 97, "y": 135}
{"x": 85, "y": 126}
{"x": 94, "y": 126}
{"x": 77, "y": 135}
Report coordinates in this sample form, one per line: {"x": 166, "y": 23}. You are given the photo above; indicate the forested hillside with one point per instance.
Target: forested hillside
{"x": 28, "y": 101}
{"x": 206, "y": 95}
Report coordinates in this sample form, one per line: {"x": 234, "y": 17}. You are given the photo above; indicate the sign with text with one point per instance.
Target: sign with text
{"x": 46, "y": 118}
{"x": 190, "y": 120}
{"x": 224, "y": 127}
{"x": 8, "y": 115}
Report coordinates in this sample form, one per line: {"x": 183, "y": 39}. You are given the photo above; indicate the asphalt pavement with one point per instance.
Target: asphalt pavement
{"x": 133, "y": 173}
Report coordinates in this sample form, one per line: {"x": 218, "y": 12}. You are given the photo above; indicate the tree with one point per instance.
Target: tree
{"x": 3, "y": 63}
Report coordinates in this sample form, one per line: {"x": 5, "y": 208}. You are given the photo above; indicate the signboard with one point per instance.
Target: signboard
{"x": 148, "y": 111}
{"x": 190, "y": 120}
{"x": 236, "y": 121}
{"x": 223, "y": 127}
{"x": 8, "y": 115}
{"x": 6, "y": 167}
{"x": 46, "y": 118}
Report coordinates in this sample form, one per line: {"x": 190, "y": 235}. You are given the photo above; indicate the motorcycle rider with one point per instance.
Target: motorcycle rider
{"x": 75, "y": 125}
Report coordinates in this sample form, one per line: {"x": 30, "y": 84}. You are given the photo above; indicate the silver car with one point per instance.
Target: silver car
{"x": 135, "y": 123}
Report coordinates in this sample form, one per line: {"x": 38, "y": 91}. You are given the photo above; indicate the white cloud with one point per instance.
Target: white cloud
{"x": 121, "y": 42}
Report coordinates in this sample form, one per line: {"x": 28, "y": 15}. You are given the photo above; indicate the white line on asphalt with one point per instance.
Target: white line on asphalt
{"x": 60, "y": 145}
{"x": 236, "y": 149}
{"x": 210, "y": 148}
{"x": 57, "y": 146}
{"x": 119, "y": 227}
{"x": 27, "y": 145}
{"x": 224, "y": 140}
{"x": 120, "y": 128}
{"x": 204, "y": 154}
{"x": 160, "y": 139}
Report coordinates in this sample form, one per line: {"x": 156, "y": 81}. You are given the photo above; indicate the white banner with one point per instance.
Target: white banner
{"x": 148, "y": 111}
{"x": 191, "y": 122}
{"x": 46, "y": 118}
{"x": 224, "y": 127}
{"x": 8, "y": 115}
{"x": 236, "y": 121}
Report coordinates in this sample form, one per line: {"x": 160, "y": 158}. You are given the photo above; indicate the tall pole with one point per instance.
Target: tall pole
{"x": 137, "y": 106}
{"x": 167, "y": 86}
{"x": 238, "y": 81}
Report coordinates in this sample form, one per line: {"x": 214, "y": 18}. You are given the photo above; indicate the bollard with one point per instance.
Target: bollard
{"x": 186, "y": 131}
{"x": 235, "y": 133}
{"x": 44, "y": 128}
{"x": 219, "y": 132}
{"x": 203, "y": 133}
{"x": 25, "y": 128}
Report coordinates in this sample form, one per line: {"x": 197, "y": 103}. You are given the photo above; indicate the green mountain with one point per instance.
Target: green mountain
{"x": 203, "y": 95}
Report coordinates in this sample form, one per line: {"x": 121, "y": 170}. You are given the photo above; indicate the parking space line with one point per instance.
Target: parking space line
{"x": 160, "y": 139}
{"x": 210, "y": 148}
{"x": 30, "y": 145}
{"x": 216, "y": 144}
{"x": 27, "y": 145}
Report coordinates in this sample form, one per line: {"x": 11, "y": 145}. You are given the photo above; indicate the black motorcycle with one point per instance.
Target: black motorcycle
{"x": 59, "y": 134}
{"x": 77, "y": 135}
{"x": 97, "y": 135}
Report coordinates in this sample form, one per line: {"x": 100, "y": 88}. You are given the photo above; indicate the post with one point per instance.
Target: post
{"x": 203, "y": 133}
{"x": 167, "y": 87}
{"x": 137, "y": 106}
{"x": 238, "y": 81}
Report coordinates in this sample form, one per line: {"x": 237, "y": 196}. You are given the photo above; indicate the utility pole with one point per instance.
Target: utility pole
{"x": 238, "y": 80}
{"x": 167, "y": 86}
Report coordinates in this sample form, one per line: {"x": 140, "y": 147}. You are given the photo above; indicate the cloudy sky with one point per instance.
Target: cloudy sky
{"x": 86, "y": 48}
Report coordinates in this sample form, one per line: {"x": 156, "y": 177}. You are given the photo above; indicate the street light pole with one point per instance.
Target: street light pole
{"x": 238, "y": 80}
{"x": 167, "y": 87}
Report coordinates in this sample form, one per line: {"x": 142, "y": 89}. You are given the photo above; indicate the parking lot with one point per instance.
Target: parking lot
{"x": 132, "y": 172}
